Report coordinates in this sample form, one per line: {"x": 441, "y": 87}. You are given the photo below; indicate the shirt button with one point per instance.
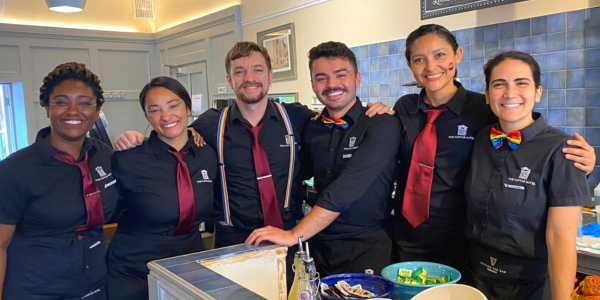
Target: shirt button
{"x": 331, "y": 149}
{"x": 328, "y": 172}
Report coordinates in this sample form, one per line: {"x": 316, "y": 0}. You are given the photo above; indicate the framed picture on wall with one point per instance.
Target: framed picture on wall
{"x": 281, "y": 44}
{"x": 437, "y": 8}
{"x": 285, "y": 97}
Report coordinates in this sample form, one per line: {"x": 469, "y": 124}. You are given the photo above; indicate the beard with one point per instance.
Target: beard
{"x": 251, "y": 100}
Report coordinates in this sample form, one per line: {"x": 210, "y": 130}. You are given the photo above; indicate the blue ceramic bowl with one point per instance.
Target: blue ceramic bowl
{"x": 403, "y": 291}
{"x": 372, "y": 283}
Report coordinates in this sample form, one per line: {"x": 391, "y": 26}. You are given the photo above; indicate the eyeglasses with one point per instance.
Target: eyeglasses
{"x": 80, "y": 105}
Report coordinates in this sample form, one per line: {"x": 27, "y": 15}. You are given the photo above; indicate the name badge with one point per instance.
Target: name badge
{"x": 514, "y": 187}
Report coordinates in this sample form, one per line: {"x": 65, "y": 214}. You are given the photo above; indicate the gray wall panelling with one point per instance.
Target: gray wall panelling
{"x": 203, "y": 42}
{"x": 124, "y": 62}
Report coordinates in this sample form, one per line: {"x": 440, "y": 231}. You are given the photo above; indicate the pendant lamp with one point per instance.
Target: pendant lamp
{"x": 66, "y": 6}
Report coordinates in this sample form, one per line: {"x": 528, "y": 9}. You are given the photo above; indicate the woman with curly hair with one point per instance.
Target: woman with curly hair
{"x": 56, "y": 195}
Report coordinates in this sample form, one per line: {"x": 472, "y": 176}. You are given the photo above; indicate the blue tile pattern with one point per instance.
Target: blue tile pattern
{"x": 477, "y": 35}
{"x": 490, "y": 33}
{"x": 463, "y": 37}
{"x": 491, "y": 49}
{"x": 557, "y": 80}
{"x": 576, "y": 39}
{"x": 592, "y": 37}
{"x": 374, "y": 50}
{"x": 557, "y": 61}
{"x": 592, "y": 58}
{"x": 477, "y": 51}
{"x": 575, "y": 117}
{"x": 542, "y": 60}
{"x": 557, "y": 42}
{"x": 556, "y": 117}
{"x": 557, "y": 23}
{"x": 556, "y": 98}
{"x": 523, "y": 44}
{"x": 539, "y": 25}
{"x": 464, "y": 70}
{"x": 539, "y": 44}
{"x": 576, "y": 59}
{"x": 576, "y": 20}
{"x": 566, "y": 45}
{"x": 393, "y": 47}
{"x": 592, "y": 78}
{"x": 576, "y": 98}
{"x": 522, "y": 28}
{"x": 593, "y": 19}
{"x": 543, "y": 101}
{"x": 506, "y": 31}
{"x": 592, "y": 97}
{"x": 506, "y": 45}
{"x": 575, "y": 78}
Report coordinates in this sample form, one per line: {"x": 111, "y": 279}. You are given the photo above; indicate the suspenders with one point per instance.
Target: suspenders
{"x": 220, "y": 135}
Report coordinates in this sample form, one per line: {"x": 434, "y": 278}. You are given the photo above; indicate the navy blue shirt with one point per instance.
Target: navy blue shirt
{"x": 244, "y": 195}
{"x": 147, "y": 180}
{"x": 353, "y": 169}
{"x": 456, "y": 130}
{"x": 44, "y": 197}
{"x": 510, "y": 191}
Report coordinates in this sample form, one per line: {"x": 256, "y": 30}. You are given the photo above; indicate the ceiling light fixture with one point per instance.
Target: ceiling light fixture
{"x": 66, "y": 6}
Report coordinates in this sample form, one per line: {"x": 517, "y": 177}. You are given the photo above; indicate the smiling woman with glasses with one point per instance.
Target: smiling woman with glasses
{"x": 56, "y": 195}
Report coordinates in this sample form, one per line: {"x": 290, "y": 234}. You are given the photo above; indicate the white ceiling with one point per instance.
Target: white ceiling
{"x": 118, "y": 14}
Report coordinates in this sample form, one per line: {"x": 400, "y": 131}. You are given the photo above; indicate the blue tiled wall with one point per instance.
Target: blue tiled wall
{"x": 566, "y": 46}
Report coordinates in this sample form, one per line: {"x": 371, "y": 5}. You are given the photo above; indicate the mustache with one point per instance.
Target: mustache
{"x": 251, "y": 83}
{"x": 334, "y": 89}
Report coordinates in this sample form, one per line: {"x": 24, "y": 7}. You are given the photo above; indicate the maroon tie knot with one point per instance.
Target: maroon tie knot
{"x": 433, "y": 114}
{"x": 91, "y": 193}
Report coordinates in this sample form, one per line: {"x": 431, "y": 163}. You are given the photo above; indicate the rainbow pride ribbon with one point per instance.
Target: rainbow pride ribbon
{"x": 220, "y": 138}
{"x": 513, "y": 138}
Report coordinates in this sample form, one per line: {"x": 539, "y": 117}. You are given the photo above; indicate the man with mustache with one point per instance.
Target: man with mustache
{"x": 262, "y": 186}
{"x": 352, "y": 158}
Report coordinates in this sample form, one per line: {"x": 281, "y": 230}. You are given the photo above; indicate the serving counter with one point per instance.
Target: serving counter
{"x": 236, "y": 272}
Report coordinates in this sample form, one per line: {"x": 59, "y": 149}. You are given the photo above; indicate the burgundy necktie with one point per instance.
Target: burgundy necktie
{"x": 187, "y": 201}
{"x": 91, "y": 194}
{"x": 420, "y": 176}
{"x": 268, "y": 195}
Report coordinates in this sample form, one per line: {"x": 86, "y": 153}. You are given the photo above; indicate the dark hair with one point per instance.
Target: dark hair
{"x": 331, "y": 49}
{"x": 71, "y": 71}
{"x": 440, "y": 30}
{"x": 170, "y": 84}
{"x": 244, "y": 49}
{"x": 516, "y": 55}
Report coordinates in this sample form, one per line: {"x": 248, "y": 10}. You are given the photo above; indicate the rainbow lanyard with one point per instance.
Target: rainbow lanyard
{"x": 221, "y": 134}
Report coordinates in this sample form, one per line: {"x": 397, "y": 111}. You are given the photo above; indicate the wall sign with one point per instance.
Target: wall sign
{"x": 437, "y": 8}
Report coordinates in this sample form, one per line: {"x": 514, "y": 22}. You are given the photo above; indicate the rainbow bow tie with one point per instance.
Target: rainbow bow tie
{"x": 330, "y": 122}
{"x": 514, "y": 138}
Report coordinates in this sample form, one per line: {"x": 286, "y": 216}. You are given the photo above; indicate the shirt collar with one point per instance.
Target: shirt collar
{"x": 159, "y": 147}
{"x": 352, "y": 116}
{"x": 270, "y": 112}
{"x": 531, "y": 130}
{"x": 455, "y": 104}
{"x": 48, "y": 151}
